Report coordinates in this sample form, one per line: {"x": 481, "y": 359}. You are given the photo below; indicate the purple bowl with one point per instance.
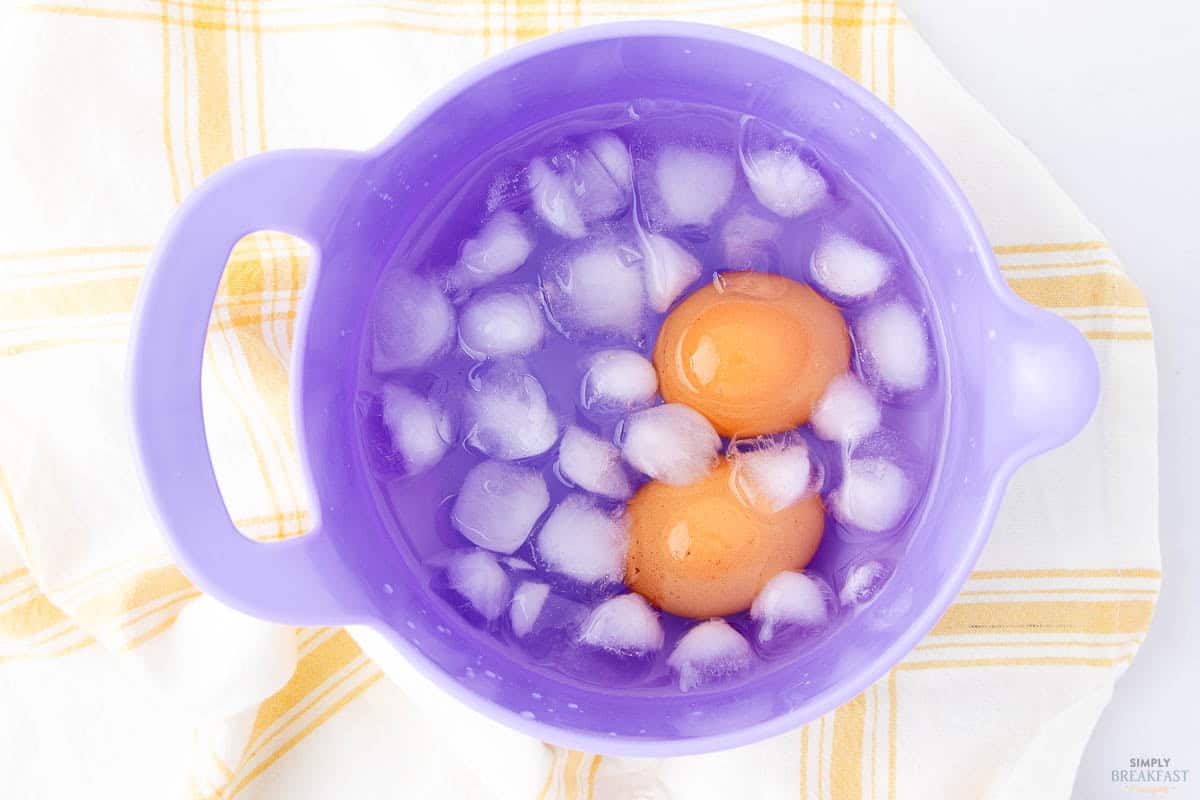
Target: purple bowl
{"x": 1018, "y": 380}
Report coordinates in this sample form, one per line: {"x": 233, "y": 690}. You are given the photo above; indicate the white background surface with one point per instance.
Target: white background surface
{"x": 1107, "y": 94}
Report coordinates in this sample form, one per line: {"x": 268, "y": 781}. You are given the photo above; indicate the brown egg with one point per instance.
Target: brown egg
{"x": 753, "y": 353}
{"x": 702, "y": 550}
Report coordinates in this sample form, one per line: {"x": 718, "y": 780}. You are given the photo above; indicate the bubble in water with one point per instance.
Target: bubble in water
{"x": 862, "y": 582}
{"x": 593, "y": 464}
{"x": 874, "y": 496}
{"x": 480, "y": 581}
{"x": 669, "y": 270}
{"x": 583, "y": 541}
{"x": 421, "y": 430}
{"x": 847, "y": 269}
{"x": 412, "y": 322}
{"x": 618, "y": 381}
{"x": 624, "y": 624}
{"x": 502, "y": 323}
{"x": 791, "y": 598}
{"x": 672, "y": 442}
{"x": 506, "y": 412}
{"x": 896, "y": 347}
{"x": 710, "y": 651}
{"x": 499, "y": 248}
{"x": 847, "y": 411}
{"x": 595, "y": 292}
{"x": 527, "y": 603}
{"x": 691, "y": 185}
{"x": 498, "y": 504}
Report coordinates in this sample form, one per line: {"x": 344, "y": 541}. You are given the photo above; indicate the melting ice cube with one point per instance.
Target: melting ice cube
{"x": 669, "y": 269}
{"x": 583, "y": 541}
{"x": 846, "y": 269}
{"x": 502, "y": 323}
{"x": 574, "y": 187}
{"x": 846, "y": 412}
{"x": 862, "y": 582}
{"x": 673, "y": 443}
{"x": 790, "y": 598}
{"x": 897, "y": 350}
{"x": 507, "y": 415}
{"x": 498, "y": 504}
{"x": 783, "y": 182}
{"x": 596, "y": 291}
{"x": 623, "y": 624}
{"x": 421, "y": 429}
{"x": 773, "y": 476}
{"x": 593, "y": 464}
{"x": 692, "y": 185}
{"x": 412, "y": 322}
{"x": 874, "y": 495}
{"x": 618, "y": 381}
{"x": 748, "y": 242}
{"x": 481, "y": 581}
{"x": 499, "y": 248}
{"x": 710, "y": 651}
{"x": 527, "y": 604}
{"x": 614, "y": 156}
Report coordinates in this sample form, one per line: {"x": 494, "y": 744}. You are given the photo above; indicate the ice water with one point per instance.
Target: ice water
{"x": 505, "y": 381}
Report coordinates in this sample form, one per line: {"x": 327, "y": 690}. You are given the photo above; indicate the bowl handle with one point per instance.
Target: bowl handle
{"x": 297, "y": 581}
{"x": 1044, "y": 385}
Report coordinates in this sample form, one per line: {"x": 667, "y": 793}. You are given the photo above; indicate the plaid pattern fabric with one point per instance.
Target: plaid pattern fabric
{"x": 118, "y": 108}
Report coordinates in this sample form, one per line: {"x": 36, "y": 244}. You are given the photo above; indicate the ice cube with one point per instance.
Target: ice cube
{"x": 692, "y": 184}
{"x": 573, "y": 187}
{"x": 672, "y": 443}
{"x": 527, "y": 604}
{"x": 554, "y": 200}
{"x": 583, "y": 541}
{"x": 412, "y": 322}
{"x": 507, "y": 415}
{"x": 863, "y": 581}
{"x": 790, "y": 598}
{"x": 499, "y": 248}
{"x": 421, "y": 429}
{"x": 618, "y": 381}
{"x": 623, "y": 624}
{"x": 669, "y": 269}
{"x": 710, "y": 651}
{"x": 846, "y": 412}
{"x": 783, "y": 182}
{"x": 519, "y": 564}
{"x": 596, "y": 291}
{"x": 896, "y": 348}
{"x": 614, "y": 156}
{"x": 481, "y": 582}
{"x": 748, "y": 242}
{"x": 498, "y": 504}
{"x": 773, "y": 476}
{"x": 874, "y": 495}
{"x": 593, "y": 464}
{"x": 847, "y": 269}
{"x": 502, "y": 323}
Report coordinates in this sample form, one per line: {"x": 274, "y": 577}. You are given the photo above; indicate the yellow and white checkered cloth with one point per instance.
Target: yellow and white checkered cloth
{"x": 117, "y": 678}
